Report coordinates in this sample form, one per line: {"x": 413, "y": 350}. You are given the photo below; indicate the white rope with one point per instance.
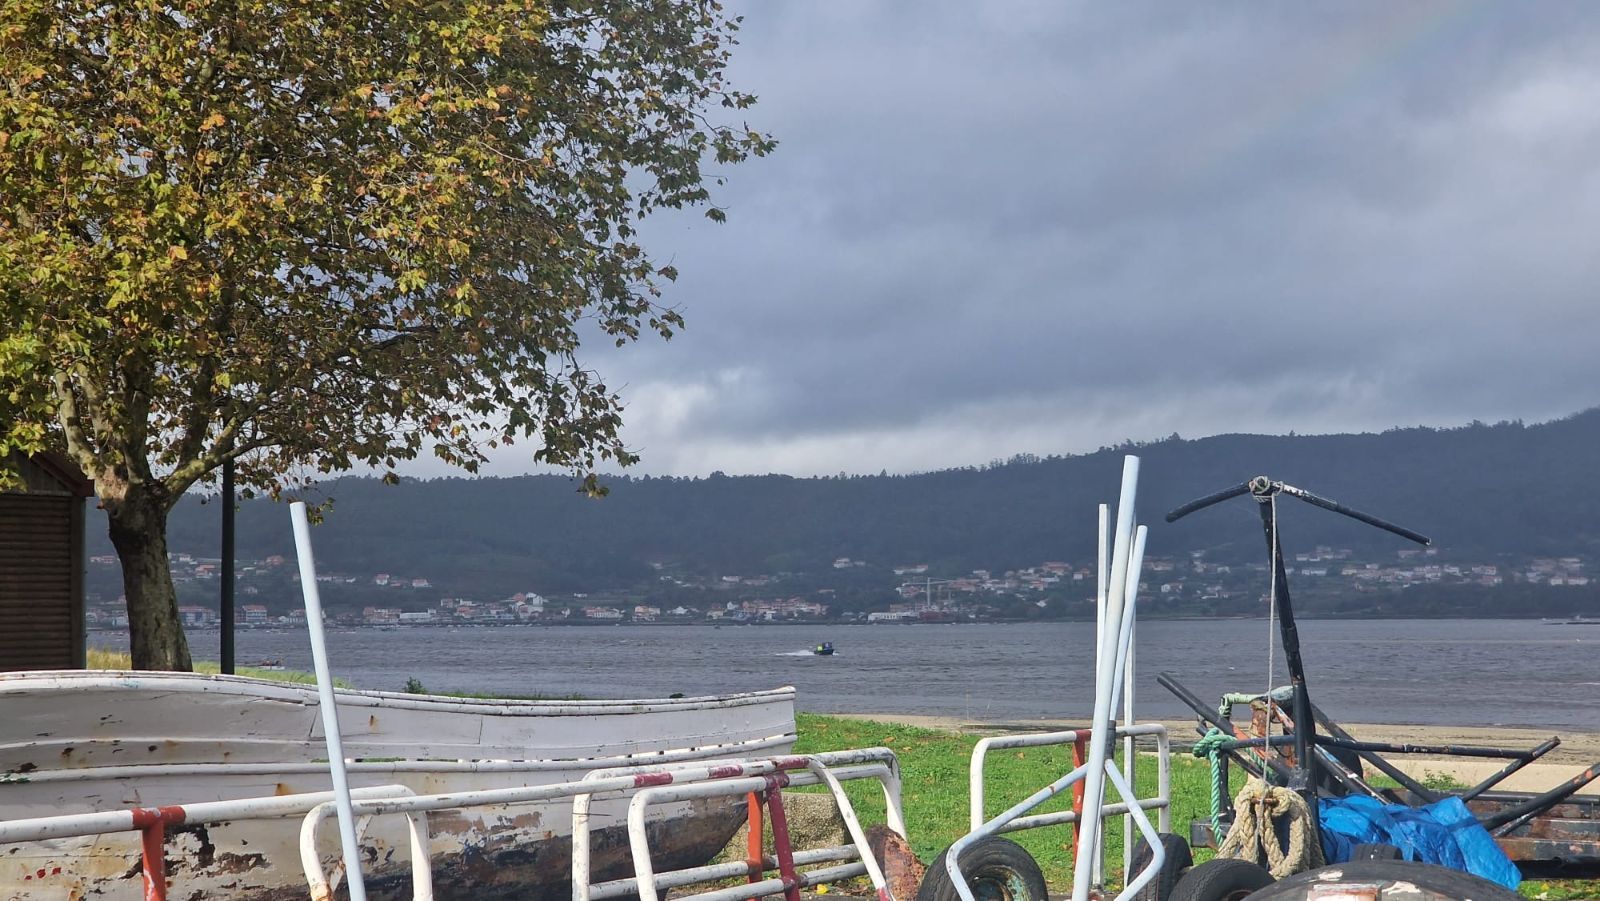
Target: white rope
{"x": 1254, "y": 835}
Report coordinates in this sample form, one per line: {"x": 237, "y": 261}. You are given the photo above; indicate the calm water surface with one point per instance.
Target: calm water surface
{"x": 1459, "y": 672}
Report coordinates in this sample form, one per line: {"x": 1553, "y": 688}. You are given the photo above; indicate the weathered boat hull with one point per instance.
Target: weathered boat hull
{"x": 90, "y": 742}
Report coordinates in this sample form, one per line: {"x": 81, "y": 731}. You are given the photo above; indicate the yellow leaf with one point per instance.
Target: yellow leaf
{"x": 176, "y": 252}
{"x": 213, "y": 121}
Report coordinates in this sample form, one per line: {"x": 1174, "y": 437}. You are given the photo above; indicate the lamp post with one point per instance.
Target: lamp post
{"x": 227, "y": 566}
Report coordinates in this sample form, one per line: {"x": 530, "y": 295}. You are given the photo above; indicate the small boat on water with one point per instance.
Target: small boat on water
{"x": 823, "y": 650}
{"x": 96, "y": 741}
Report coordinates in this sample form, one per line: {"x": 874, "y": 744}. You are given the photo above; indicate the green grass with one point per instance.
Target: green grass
{"x": 934, "y": 766}
{"x": 101, "y": 658}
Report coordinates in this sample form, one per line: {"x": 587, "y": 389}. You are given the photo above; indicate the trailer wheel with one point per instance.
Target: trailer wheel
{"x": 1414, "y": 881}
{"x": 998, "y": 869}
{"x": 1222, "y": 879}
{"x": 1374, "y": 851}
{"x": 1178, "y": 860}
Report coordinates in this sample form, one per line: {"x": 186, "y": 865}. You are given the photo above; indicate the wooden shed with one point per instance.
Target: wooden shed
{"x": 42, "y": 564}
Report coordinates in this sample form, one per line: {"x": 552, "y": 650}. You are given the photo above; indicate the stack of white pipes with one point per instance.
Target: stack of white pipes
{"x": 1118, "y": 593}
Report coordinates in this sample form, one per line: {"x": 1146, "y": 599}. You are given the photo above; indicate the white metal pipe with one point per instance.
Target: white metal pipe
{"x": 760, "y": 889}
{"x": 330, "y": 709}
{"x": 36, "y": 829}
{"x": 1164, "y": 778}
{"x": 530, "y": 793}
{"x": 321, "y": 887}
{"x": 1129, "y": 669}
{"x": 852, "y": 823}
{"x": 1130, "y": 607}
{"x": 776, "y": 886}
{"x": 1102, "y": 573}
{"x": 421, "y": 857}
{"x": 1105, "y": 679}
{"x": 1158, "y": 852}
{"x": 1067, "y": 817}
{"x": 617, "y": 888}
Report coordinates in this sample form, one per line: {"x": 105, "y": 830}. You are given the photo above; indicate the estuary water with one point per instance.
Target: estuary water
{"x": 1450, "y": 672}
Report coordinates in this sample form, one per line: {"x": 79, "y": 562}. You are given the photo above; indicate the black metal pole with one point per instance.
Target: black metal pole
{"x": 227, "y": 566}
{"x": 1428, "y": 795}
{"x": 1204, "y": 502}
{"x": 1305, "y": 727}
{"x": 1511, "y": 819}
{"x": 1548, "y": 746}
{"x": 1357, "y": 515}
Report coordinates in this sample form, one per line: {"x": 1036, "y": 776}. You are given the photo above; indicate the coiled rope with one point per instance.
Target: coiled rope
{"x": 1254, "y": 836}
{"x": 1210, "y": 745}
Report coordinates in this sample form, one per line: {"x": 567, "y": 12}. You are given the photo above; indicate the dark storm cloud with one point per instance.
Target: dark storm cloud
{"x": 994, "y": 228}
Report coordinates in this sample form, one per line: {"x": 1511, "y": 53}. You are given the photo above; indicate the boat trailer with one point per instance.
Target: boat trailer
{"x": 1548, "y": 834}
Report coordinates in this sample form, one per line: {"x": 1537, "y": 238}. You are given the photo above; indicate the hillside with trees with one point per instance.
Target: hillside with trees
{"x": 1483, "y": 492}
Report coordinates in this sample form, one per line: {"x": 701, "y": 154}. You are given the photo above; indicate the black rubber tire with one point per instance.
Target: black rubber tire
{"x": 1375, "y": 851}
{"x": 1177, "y": 862}
{"x": 1222, "y": 879}
{"x": 998, "y": 869}
{"x": 1434, "y": 881}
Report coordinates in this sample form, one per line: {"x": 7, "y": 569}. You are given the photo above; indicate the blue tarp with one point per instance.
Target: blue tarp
{"x": 1443, "y": 832}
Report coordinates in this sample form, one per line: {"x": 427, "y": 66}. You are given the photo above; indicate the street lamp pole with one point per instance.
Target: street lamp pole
{"x": 227, "y": 566}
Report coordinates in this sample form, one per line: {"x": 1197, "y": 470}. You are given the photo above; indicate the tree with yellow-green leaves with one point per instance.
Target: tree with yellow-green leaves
{"x": 308, "y": 235}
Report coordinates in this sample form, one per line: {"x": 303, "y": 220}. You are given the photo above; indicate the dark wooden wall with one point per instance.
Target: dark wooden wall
{"x": 41, "y": 570}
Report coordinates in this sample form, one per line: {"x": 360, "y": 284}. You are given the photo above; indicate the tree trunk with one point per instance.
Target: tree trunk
{"x": 139, "y": 533}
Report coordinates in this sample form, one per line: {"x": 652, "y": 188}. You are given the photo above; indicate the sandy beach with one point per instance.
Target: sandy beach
{"x": 1577, "y": 749}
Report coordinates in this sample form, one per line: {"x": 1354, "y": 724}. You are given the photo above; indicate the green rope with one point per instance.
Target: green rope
{"x": 1210, "y": 745}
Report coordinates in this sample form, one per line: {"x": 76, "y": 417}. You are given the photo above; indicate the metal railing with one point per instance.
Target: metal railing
{"x": 1162, "y": 801}
{"x": 755, "y": 864}
{"x": 705, "y": 779}
{"x": 790, "y": 880}
{"x": 152, "y": 823}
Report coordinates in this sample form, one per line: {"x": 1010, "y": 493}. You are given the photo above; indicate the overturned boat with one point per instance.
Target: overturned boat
{"x": 82, "y": 742}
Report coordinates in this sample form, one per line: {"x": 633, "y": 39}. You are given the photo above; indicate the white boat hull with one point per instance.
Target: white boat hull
{"x": 80, "y": 742}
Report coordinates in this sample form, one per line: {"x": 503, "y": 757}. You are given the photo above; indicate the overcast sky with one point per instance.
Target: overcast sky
{"x": 993, "y": 228}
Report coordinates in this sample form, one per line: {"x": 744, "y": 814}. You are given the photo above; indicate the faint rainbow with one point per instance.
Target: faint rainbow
{"x": 1411, "y": 34}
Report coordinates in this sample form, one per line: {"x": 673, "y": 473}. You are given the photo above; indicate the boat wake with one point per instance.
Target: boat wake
{"x": 807, "y": 653}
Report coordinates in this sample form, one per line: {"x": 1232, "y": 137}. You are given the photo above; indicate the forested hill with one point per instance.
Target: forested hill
{"x": 1481, "y": 492}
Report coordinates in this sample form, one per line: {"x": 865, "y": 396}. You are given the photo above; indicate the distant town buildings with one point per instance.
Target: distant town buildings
{"x": 912, "y": 592}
